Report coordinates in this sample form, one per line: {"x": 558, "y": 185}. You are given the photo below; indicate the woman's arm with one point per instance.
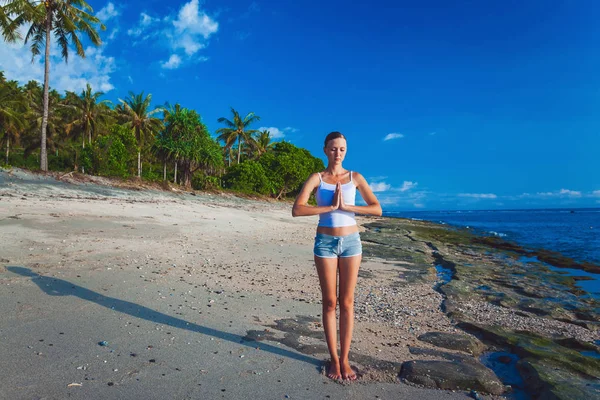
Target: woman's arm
{"x": 302, "y": 209}
{"x": 373, "y": 207}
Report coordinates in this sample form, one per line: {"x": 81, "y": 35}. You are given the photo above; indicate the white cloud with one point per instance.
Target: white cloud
{"x": 407, "y": 185}
{"x": 379, "y": 186}
{"x": 596, "y": 193}
{"x": 189, "y": 45}
{"x": 561, "y": 193}
{"x": 113, "y": 34}
{"x": 173, "y": 63}
{"x": 391, "y": 136}
{"x": 147, "y": 20}
{"x": 144, "y": 23}
{"x": 184, "y": 34}
{"x": 274, "y": 132}
{"x": 290, "y": 129}
{"x": 432, "y": 133}
{"x": 192, "y": 20}
{"x": 570, "y": 193}
{"x": 479, "y": 195}
{"x": 392, "y": 197}
{"x": 95, "y": 69}
{"x": 107, "y": 12}
{"x": 192, "y": 28}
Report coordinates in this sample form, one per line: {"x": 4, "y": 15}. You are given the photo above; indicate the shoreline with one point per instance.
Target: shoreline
{"x": 490, "y": 232}
{"x": 221, "y": 247}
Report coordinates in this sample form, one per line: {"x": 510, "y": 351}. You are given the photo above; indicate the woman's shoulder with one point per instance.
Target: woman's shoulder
{"x": 314, "y": 178}
{"x": 358, "y": 179}
{"x": 356, "y": 175}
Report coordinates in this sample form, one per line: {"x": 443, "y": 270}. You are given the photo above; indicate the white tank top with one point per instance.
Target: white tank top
{"x": 324, "y": 197}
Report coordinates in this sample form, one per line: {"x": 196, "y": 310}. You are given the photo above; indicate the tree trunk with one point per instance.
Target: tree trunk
{"x": 188, "y": 175}
{"x": 165, "y": 171}
{"x": 239, "y": 148}
{"x": 139, "y": 164}
{"x": 7, "y": 145}
{"x": 175, "y": 178}
{"x": 43, "y": 151}
{"x": 280, "y": 193}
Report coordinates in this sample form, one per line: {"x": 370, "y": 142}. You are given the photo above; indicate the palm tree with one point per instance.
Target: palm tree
{"x": 88, "y": 112}
{"x": 263, "y": 142}
{"x": 35, "y": 117}
{"x": 135, "y": 112}
{"x": 12, "y": 107}
{"x": 236, "y": 130}
{"x": 61, "y": 18}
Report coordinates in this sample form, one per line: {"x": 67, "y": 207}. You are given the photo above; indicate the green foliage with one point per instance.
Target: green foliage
{"x": 187, "y": 141}
{"x": 61, "y": 162}
{"x": 177, "y": 140}
{"x": 111, "y": 155}
{"x": 247, "y": 177}
{"x": 201, "y": 181}
{"x": 288, "y": 167}
{"x": 152, "y": 172}
{"x": 19, "y": 159}
{"x": 63, "y": 20}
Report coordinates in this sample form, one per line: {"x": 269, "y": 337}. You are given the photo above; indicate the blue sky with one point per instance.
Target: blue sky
{"x": 484, "y": 104}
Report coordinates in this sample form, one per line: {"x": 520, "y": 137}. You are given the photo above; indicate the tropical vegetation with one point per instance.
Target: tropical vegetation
{"x": 61, "y": 19}
{"x": 43, "y": 129}
{"x": 90, "y": 135}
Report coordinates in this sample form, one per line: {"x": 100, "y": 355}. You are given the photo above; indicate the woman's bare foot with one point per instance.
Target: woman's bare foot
{"x": 333, "y": 371}
{"x": 347, "y": 371}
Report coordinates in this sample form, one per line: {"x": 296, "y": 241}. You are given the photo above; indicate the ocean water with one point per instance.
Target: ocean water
{"x": 572, "y": 232}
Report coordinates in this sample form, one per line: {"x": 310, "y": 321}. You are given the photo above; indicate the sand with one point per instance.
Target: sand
{"x": 176, "y": 285}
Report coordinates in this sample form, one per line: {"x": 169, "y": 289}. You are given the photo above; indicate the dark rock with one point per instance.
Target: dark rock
{"x": 575, "y": 344}
{"x": 549, "y": 381}
{"x": 453, "y": 341}
{"x": 536, "y": 347}
{"x": 449, "y": 375}
{"x": 418, "y": 351}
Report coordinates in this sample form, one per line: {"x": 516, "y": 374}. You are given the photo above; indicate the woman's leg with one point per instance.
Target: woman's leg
{"x": 348, "y": 276}
{"x": 327, "y": 270}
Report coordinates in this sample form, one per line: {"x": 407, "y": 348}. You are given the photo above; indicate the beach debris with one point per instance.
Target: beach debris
{"x": 103, "y": 343}
{"x": 74, "y": 384}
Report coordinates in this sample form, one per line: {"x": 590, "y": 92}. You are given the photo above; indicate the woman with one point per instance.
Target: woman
{"x": 337, "y": 244}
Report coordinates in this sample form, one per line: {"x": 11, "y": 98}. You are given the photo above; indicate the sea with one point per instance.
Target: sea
{"x": 573, "y": 232}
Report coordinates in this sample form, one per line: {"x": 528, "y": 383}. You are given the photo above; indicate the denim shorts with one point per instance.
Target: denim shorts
{"x": 327, "y": 246}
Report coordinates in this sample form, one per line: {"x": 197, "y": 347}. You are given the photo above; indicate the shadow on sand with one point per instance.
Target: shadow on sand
{"x": 59, "y": 287}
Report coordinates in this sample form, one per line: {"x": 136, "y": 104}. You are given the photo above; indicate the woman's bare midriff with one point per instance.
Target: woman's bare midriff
{"x": 339, "y": 231}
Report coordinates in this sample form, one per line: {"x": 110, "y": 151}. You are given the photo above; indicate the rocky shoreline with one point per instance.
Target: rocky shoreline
{"x": 513, "y": 305}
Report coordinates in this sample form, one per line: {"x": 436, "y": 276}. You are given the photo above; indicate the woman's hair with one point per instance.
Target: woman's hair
{"x": 333, "y": 135}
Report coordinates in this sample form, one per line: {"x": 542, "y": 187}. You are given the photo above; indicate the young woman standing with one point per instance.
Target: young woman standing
{"x": 337, "y": 244}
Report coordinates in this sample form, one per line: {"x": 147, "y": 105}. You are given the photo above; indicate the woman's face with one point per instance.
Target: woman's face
{"x": 336, "y": 150}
